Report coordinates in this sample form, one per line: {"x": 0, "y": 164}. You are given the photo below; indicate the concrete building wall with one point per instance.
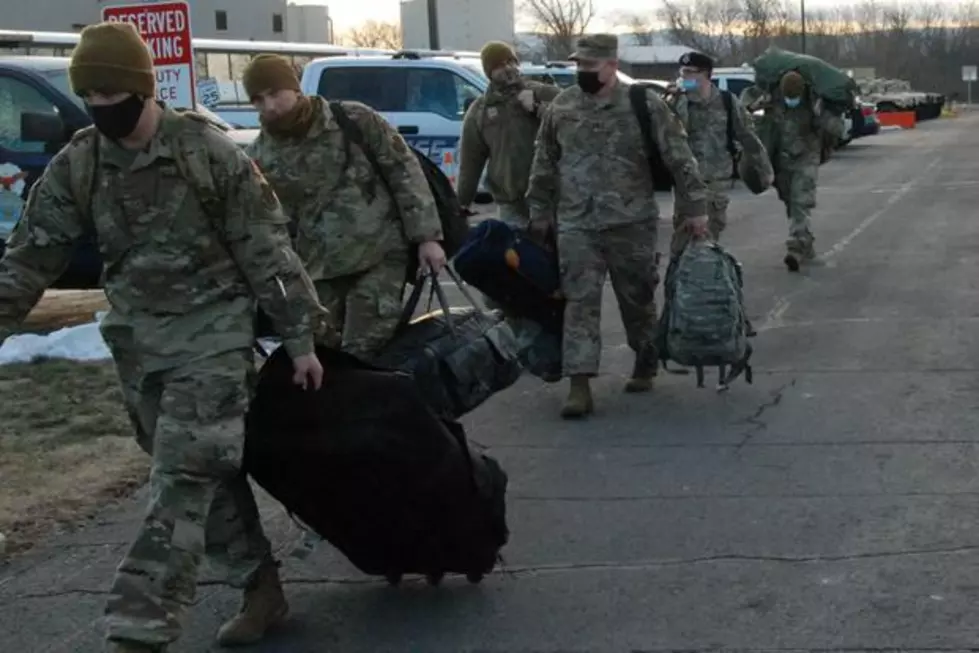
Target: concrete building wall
{"x": 463, "y": 24}
{"x": 258, "y": 20}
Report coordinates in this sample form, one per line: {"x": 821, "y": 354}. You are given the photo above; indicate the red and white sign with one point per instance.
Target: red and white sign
{"x": 165, "y": 26}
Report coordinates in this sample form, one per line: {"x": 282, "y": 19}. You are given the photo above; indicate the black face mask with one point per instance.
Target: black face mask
{"x": 118, "y": 120}
{"x": 588, "y": 81}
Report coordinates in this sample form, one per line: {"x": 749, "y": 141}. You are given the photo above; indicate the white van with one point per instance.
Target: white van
{"x": 424, "y": 96}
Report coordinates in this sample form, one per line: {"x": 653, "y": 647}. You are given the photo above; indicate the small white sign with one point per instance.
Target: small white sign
{"x": 165, "y": 26}
{"x": 208, "y": 92}
{"x": 970, "y": 73}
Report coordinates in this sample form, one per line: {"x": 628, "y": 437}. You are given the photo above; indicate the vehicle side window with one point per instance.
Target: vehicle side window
{"x": 737, "y": 86}
{"x": 442, "y": 92}
{"x": 16, "y": 99}
{"x": 382, "y": 89}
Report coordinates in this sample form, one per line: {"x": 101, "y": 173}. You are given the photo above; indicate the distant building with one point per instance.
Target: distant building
{"x": 651, "y": 61}
{"x": 462, "y": 24}
{"x": 256, "y": 20}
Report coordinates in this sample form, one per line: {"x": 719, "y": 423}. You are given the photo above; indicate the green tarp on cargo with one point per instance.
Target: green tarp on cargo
{"x": 829, "y": 82}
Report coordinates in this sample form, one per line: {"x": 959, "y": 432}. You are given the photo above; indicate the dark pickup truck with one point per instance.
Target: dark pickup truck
{"x": 38, "y": 116}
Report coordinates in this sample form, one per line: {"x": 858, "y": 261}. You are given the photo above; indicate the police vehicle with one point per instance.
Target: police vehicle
{"x": 424, "y": 94}
{"x": 38, "y": 116}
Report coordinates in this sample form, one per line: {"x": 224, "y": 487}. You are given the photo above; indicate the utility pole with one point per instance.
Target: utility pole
{"x": 802, "y": 5}
{"x": 433, "y": 25}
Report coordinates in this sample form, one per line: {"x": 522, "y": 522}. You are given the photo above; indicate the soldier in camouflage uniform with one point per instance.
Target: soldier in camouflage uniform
{"x": 797, "y": 122}
{"x": 590, "y": 170}
{"x": 352, "y": 235}
{"x": 501, "y": 127}
{"x": 181, "y": 278}
{"x": 700, "y": 107}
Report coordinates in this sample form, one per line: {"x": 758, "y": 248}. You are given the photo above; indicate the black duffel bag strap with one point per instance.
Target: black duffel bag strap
{"x": 436, "y": 291}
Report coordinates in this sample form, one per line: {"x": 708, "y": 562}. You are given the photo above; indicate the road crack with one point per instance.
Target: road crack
{"x": 756, "y": 421}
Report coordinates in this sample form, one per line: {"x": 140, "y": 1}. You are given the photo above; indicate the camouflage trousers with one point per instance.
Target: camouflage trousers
{"x": 191, "y": 421}
{"x": 717, "y": 202}
{"x": 516, "y": 215}
{"x": 796, "y": 188}
{"x": 628, "y": 255}
{"x": 366, "y": 307}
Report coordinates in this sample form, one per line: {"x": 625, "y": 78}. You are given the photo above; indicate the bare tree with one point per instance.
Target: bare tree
{"x": 560, "y": 22}
{"x": 638, "y": 25}
{"x": 374, "y": 34}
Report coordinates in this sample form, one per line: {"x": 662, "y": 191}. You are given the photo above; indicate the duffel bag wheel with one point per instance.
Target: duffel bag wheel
{"x": 474, "y": 577}
{"x": 393, "y": 579}
{"x": 435, "y": 579}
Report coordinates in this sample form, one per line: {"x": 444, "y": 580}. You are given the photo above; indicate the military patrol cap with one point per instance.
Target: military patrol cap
{"x": 112, "y": 58}
{"x": 593, "y": 47}
{"x": 269, "y": 72}
{"x": 697, "y": 60}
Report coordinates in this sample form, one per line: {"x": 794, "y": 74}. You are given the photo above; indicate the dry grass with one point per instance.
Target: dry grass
{"x": 66, "y": 445}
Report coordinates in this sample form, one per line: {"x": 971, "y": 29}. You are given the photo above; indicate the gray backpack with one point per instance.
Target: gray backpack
{"x": 704, "y": 321}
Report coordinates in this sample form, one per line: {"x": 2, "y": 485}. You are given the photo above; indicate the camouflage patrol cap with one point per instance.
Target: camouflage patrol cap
{"x": 593, "y": 47}
{"x": 112, "y": 58}
{"x": 269, "y": 72}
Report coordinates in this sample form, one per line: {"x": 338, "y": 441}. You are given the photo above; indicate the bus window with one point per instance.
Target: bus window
{"x": 239, "y": 60}
{"x": 200, "y": 61}
{"x": 300, "y": 61}
{"x": 219, "y": 66}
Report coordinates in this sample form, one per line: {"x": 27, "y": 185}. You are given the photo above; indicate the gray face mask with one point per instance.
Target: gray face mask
{"x": 506, "y": 77}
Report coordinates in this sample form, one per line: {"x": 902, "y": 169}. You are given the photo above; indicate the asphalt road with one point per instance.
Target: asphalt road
{"x": 828, "y": 506}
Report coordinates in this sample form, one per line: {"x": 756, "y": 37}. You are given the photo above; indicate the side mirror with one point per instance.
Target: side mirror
{"x": 469, "y": 103}
{"x": 43, "y": 127}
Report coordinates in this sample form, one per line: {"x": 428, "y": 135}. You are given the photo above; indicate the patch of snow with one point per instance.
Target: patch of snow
{"x": 78, "y": 343}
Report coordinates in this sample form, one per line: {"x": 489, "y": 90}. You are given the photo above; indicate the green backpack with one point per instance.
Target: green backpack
{"x": 704, "y": 321}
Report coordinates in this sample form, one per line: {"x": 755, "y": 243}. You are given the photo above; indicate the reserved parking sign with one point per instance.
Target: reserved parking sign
{"x": 165, "y": 26}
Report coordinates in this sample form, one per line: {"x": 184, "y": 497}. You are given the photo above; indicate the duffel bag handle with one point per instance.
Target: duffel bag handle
{"x": 439, "y": 292}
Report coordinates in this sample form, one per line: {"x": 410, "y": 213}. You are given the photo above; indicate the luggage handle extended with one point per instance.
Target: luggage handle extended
{"x": 439, "y": 292}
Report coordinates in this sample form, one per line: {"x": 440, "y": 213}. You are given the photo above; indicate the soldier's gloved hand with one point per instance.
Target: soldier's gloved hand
{"x": 697, "y": 226}
{"x": 431, "y": 257}
{"x": 527, "y": 99}
{"x": 307, "y": 368}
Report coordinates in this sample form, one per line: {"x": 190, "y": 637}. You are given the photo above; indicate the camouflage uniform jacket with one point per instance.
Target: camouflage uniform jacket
{"x": 346, "y": 221}
{"x": 181, "y": 278}
{"x": 498, "y": 127}
{"x": 796, "y": 133}
{"x": 590, "y": 162}
{"x": 706, "y": 123}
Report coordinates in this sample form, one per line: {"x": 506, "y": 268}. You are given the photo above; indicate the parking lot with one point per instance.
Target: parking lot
{"x": 828, "y": 506}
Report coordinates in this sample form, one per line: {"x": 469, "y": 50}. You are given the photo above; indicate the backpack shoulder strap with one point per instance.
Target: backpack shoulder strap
{"x": 637, "y": 97}
{"x": 352, "y": 133}
{"x": 194, "y": 164}
{"x": 83, "y": 164}
{"x": 728, "y": 99}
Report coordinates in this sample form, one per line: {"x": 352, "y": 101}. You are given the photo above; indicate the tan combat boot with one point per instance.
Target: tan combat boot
{"x": 579, "y": 402}
{"x": 643, "y": 373}
{"x": 264, "y": 606}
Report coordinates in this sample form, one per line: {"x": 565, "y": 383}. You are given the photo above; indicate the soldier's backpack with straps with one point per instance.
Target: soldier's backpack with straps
{"x": 455, "y": 226}
{"x": 732, "y": 143}
{"x": 704, "y": 322}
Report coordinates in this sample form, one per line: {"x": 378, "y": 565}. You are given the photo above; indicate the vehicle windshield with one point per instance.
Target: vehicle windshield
{"x": 59, "y": 79}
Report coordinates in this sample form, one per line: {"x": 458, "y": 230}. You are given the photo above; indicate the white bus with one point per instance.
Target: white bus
{"x": 218, "y": 60}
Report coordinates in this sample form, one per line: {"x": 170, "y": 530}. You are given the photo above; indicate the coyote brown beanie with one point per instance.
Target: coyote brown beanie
{"x": 269, "y": 72}
{"x": 793, "y": 84}
{"x": 495, "y": 54}
{"x": 112, "y": 57}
